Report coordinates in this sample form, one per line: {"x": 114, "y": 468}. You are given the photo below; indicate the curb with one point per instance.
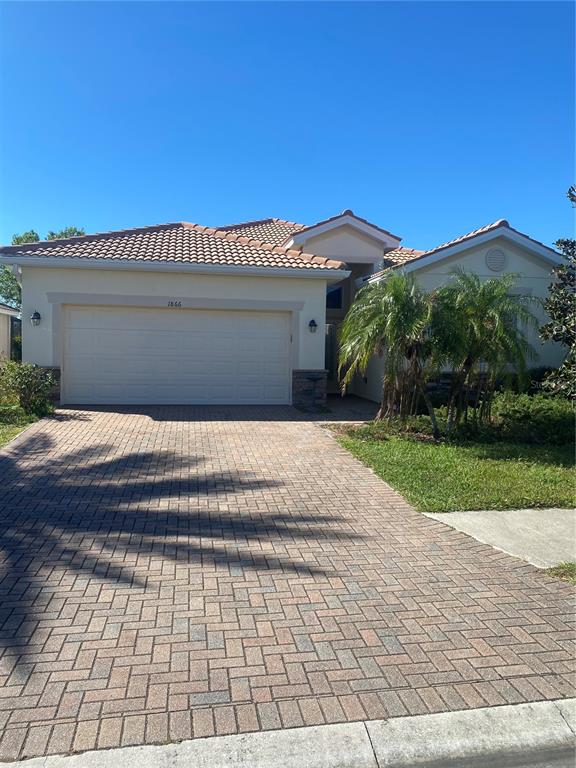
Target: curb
{"x": 542, "y": 735}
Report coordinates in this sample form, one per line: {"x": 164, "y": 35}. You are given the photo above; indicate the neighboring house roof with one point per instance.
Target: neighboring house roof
{"x": 409, "y": 256}
{"x": 276, "y": 231}
{"x": 178, "y": 243}
{"x": 5, "y": 309}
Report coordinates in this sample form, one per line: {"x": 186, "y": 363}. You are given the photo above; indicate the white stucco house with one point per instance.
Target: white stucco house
{"x": 6, "y": 315}
{"x": 243, "y": 314}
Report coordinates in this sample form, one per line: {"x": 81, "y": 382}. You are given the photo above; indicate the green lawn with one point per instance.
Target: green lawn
{"x": 440, "y": 477}
{"x": 9, "y": 431}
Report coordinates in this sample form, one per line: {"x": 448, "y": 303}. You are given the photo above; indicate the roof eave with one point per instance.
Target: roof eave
{"x": 9, "y": 311}
{"x": 70, "y": 262}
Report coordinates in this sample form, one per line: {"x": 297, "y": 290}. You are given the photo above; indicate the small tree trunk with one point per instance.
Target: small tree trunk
{"x": 455, "y": 405}
{"x": 382, "y": 411}
{"x": 413, "y": 401}
{"x": 431, "y": 412}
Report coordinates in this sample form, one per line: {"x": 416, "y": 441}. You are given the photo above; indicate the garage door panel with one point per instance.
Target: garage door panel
{"x": 129, "y": 355}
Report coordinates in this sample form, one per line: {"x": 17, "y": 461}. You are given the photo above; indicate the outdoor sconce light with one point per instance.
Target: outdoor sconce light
{"x": 312, "y": 325}
{"x": 35, "y": 318}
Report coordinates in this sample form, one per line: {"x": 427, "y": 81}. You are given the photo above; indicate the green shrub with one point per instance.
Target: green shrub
{"x": 13, "y": 414}
{"x": 28, "y": 386}
{"x": 16, "y": 351}
{"x": 516, "y": 418}
{"x": 533, "y": 418}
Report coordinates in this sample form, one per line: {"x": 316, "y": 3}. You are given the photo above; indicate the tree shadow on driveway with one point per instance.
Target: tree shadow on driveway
{"x": 90, "y": 512}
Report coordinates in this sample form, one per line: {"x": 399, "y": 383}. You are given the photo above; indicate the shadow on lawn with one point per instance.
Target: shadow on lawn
{"x": 87, "y": 515}
{"x": 554, "y": 455}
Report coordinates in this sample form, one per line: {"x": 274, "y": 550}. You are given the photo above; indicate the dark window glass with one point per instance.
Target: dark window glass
{"x": 334, "y": 297}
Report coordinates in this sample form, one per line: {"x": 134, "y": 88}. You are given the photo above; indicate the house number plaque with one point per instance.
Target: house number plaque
{"x": 174, "y": 303}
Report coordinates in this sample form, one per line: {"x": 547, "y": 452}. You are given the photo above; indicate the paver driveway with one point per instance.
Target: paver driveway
{"x": 182, "y": 572}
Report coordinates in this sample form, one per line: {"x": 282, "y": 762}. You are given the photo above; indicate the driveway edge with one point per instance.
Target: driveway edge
{"x": 513, "y": 735}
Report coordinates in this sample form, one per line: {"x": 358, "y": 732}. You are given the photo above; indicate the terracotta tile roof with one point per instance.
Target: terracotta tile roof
{"x": 401, "y": 256}
{"x": 489, "y": 227}
{"x": 396, "y": 258}
{"x": 351, "y": 213}
{"x": 178, "y": 243}
{"x": 468, "y": 235}
{"x": 276, "y": 231}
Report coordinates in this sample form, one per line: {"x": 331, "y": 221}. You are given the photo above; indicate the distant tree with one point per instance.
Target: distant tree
{"x": 26, "y": 237}
{"x": 560, "y": 305}
{"x": 66, "y": 232}
{"x": 10, "y": 292}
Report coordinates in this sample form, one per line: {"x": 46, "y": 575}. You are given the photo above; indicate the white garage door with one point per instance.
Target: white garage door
{"x": 124, "y": 355}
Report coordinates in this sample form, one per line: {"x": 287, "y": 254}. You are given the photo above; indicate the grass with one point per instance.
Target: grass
{"x": 19, "y": 422}
{"x": 9, "y": 431}
{"x": 564, "y": 571}
{"x": 441, "y": 477}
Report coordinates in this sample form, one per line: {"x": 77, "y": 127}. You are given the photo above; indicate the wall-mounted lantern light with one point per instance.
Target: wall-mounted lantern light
{"x": 35, "y": 318}
{"x": 312, "y": 325}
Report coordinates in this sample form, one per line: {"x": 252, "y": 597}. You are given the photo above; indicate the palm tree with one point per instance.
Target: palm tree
{"x": 391, "y": 318}
{"x": 482, "y": 334}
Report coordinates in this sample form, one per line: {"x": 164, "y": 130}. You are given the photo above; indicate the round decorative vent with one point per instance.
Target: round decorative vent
{"x": 496, "y": 259}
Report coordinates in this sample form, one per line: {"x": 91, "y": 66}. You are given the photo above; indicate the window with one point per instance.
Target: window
{"x": 334, "y": 297}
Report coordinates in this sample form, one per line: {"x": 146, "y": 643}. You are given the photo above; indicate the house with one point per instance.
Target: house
{"x": 246, "y": 313}
{"x": 6, "y": 315}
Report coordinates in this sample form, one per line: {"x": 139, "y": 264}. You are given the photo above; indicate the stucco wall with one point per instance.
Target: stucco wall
{"x": 40, "y": 345}
{"x": 534, "y": 277}
{"x": 4, "y": 336}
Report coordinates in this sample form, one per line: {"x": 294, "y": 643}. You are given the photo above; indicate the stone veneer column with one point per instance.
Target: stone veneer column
{"x": 309, "y": 388}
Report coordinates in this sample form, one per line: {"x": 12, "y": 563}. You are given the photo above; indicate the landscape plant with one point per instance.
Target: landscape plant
{"x": 392, "y": 318}
{"x": 26, "y": 386}
{"x": 475, "y": 328}
{"x": 560, "y": 306}
{"x": 483, "y": 337}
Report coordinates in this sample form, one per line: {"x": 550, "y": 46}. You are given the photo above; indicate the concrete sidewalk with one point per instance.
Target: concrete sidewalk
{"x": 543, "y": 537}
{"x": 538, "y": 734}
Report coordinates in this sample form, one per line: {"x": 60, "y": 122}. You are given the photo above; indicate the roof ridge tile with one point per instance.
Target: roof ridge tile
{"x": 479, "y": 231}
{"x": 348, "y": 212}
{"x": 96, "y": 235}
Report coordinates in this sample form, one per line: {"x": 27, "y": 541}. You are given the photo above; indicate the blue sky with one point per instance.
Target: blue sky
{"x": 429, "y": 119}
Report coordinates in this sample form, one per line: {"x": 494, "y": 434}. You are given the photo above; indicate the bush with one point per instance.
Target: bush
{"x": 16, "y": 351}
{"x": 28, "y": 386}
{"x": 533, "y": 418}
{"x": 516, "y": 418}
{"x": 13, "y": 414}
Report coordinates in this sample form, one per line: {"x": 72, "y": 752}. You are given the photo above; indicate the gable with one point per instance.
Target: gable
{"x": 346, "y": 243}
{"x": 534, "y": 273}
{"x": 483, "y": 260}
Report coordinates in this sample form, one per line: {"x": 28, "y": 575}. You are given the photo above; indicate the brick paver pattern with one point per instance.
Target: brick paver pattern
{"x": 184, "y": 572}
